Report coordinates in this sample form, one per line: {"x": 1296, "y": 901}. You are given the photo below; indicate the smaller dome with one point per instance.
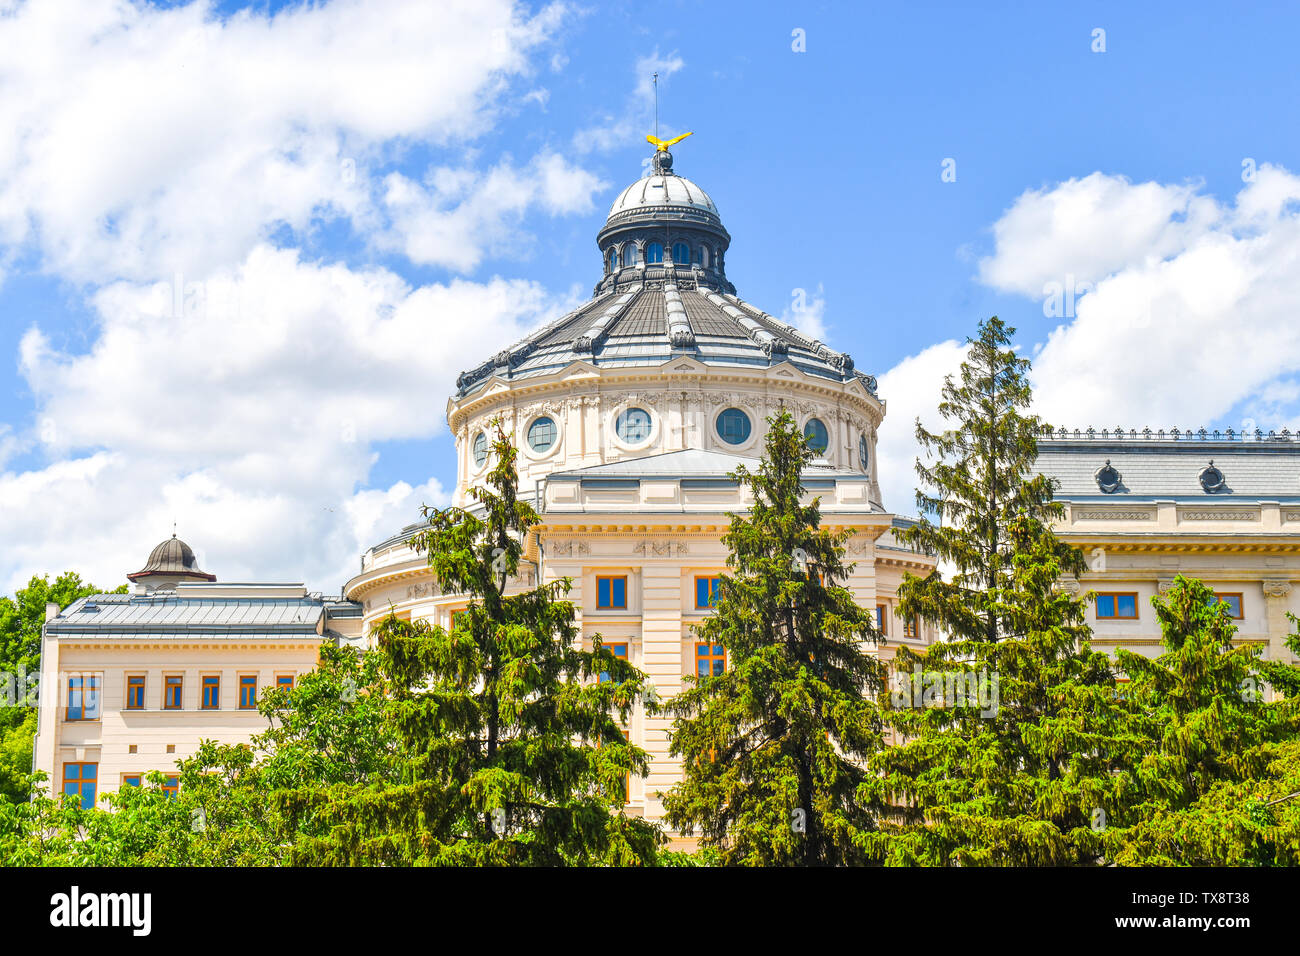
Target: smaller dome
{"x": 172, "y": 557}
{"x": 661, "y": 192}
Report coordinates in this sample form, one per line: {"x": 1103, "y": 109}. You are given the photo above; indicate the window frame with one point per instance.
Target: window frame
{"x": 179, "y": 680}
{"x": 714, "y": 591}
{"x": 1115, "y": 596}
{"x": 882, "y": 618}
{"x": 912, "y": 628}
{"x": 203, "y": 691}
{"x": 96, "y": 689}
{"x": 711, "y": 657}
{"x": 243, "y": 685}
{"x": 611, "y": 578}
{"x": 744, "y": 417}
{"x": 650, "y": 250}
{"x": 826, "y": 430}
{"x": 1241, "y": 602}
{"x": 142, "y": 686}
{"x": 280, "y": 681}
{"x": 128, "y": 777}
{"x": 604, "y": 676}
{"x": 555, "y": 435}
{"x": 81, "y": 780}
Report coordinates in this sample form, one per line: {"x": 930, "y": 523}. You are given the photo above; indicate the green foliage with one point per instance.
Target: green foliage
{"x": 773, "y": 748}
{"x": 509, "y": 751}
{"x": 1011, "y": 781}
{"x": 1219, "y": 764}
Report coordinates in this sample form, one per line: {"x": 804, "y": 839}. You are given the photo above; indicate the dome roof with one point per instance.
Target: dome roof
{"x": 660, "y": 192}
{"x": 172, "y": 557}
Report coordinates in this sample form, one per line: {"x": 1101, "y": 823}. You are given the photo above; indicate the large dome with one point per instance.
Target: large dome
{"x": 664, "y": 294}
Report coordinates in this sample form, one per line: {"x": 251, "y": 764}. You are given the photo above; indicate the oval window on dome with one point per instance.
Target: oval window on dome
{"x": 541, "y": 434}
{"x": 633, "y": 425}
{"x": 733, "y": 426}
{"x": 681, "y": 253}
{"x": 864, "y": 452}
{"x": 816, "y": 435}
{"x": 653, "y": 253}
{"x": 480, "y": 449}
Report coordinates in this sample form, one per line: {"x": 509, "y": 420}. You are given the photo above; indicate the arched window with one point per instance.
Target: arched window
{"x": 733, "y": 426}
{"x": 629, "y": 254}
{"x": 701, "y": 257}
{"x": 611, "y": 260}
{"x": 541, "y": 434}
{"x": 681, "y": 253}
{"x": 480, "y": 449}
{"x": 653, "y": 253}
{"x": 818, "y": 438}
{"x": 633, "y": 425}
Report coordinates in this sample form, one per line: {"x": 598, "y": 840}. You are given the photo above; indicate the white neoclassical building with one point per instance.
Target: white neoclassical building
{"x": 629, "y": 414}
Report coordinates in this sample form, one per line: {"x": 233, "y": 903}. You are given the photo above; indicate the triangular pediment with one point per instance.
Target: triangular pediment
{"x": 684, "y": 364}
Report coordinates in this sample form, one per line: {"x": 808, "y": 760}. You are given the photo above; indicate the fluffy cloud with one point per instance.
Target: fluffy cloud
{"x": 459, "y": 214}
{"x": 911, "y": 391}
{"x": 630, "y": 124}
{"x": 142, "y": 141}
{"x": 246, "y": 406}
{"x": 1190, "y": 319}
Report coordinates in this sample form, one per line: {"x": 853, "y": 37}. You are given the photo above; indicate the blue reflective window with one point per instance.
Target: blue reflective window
{"x": 864, "y": 452}
{"x": 818, "y": 438}
{"x": 629, "y": 254}
{"x": 733, "y": 426}
{"x": 706, "y": 592}
{"x": 710, "y": 660}
{"x": 681, "y": 253}
{"x": 1117, "y": 605}
{"x": 131, "y": 780}
{"x": 83, "y": 698}
{"x": 633, "y": 425}
{"x": 611, "y": 260}
{"x": 619, "y": 651}
{"x": 654, "y": 253}
{"x": 480, "y": 449}
{"x": 611, "y": 592}
{"x": 79, "y": 780}
{"x": 541, "y": 434}
{"x": 1234, "y": 604}
{"x": 211, "y": 692}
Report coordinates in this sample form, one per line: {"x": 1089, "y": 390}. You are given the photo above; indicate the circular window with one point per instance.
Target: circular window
{"x": 864, "y": 452}
{"x": 480, "y": 449}
{"x": 541, "y": 434}
{"x": 733, "y": 426}
{"x": 633, "y": 425}
{"x": 818, "y": 438}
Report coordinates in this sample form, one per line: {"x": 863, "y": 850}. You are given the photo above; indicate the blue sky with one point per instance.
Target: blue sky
{"x": 393, "y": 194}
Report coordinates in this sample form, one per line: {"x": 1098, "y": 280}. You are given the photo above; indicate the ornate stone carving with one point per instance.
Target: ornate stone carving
{"x": 1220, "y": 516}
{"x": 1277, "y": 588}
{"x": 1108, "y": 478}
{"x": 417, "y": 590}
{"x": 1116, "y": 515}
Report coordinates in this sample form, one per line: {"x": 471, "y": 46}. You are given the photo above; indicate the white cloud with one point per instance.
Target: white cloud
{"x": 249, "y": 416}
{"x": 911, "y": 390}
{"x": 144, "y": 141}
{"x": 1192, "y": 315}
{"x": 459, "y": 214}
{"x": 635, "y": 118}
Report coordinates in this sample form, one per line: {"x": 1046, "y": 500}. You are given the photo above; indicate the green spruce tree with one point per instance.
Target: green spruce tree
{"x": 773, "y": 748}
{"x": 510, "y": 744}
{"x": 1008, "y": 737}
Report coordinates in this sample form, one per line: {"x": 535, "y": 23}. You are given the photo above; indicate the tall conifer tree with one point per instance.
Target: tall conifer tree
{"x": 511, "y": 748}
{"x": 773, "y": 748}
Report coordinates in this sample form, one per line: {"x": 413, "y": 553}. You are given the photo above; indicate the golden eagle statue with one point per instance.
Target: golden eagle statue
{"x": 662, "y": 147}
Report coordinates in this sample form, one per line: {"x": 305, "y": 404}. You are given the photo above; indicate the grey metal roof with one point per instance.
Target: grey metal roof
{"x": 1168, "y": 468}
{"x": 175, "y": 614}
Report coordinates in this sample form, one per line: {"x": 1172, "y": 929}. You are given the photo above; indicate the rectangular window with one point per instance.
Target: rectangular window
{"x": 710, "y": 660}
{"x": 79, "y": 780}
{"x": 1233, "y": 600}
{"x": 1118, "y": 604}
{"x": 455, "y": 616}
{"x": 211, "y": 692}
{"x": 171, "y": 786}
{"x": 881, "y": 618}
{"x": 247, "y": 692}
{"x": 911, "y": 628}
{"x": 706, "y": 592}
{"x": 173, "y": 684}
{"x": 135, "y": 692}
{"x": 130, "y": 779}
{"x": 611, "y": 592}
{"x": 618, "y": 650}
{"x": 284, "y": 681}
{"x": 83, "y": 697}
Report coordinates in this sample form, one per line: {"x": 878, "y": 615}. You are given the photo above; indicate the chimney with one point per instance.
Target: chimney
{"x": 52, "y": 611}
